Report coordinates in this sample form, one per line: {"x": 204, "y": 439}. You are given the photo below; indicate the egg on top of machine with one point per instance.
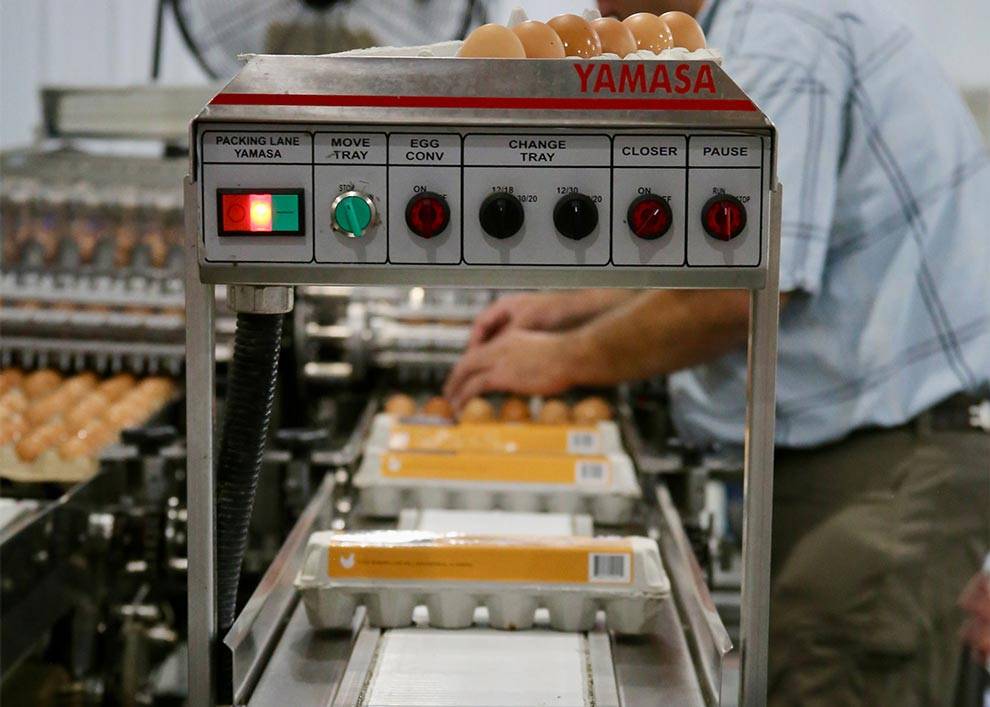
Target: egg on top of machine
{"x": 587, "y": 37}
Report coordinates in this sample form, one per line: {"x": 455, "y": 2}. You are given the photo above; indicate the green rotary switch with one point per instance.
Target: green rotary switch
{"x": 353, "y": 213}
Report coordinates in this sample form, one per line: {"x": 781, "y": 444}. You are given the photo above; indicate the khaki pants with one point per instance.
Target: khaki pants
{"x": 874, "y": 538}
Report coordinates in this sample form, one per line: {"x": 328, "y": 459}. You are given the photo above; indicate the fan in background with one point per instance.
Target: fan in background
{"x": 218, "y": 30}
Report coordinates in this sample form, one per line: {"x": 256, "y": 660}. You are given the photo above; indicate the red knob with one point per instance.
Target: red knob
{"x": 649, "y": 217}
{"x": 724, "y": 217}
{"x": 427, "y": 214}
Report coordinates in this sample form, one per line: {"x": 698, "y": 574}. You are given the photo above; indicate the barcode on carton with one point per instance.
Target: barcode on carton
{"x": 583, "y": 442}
{"x": 591, "y": 472}
{"x": 609, "y": 567}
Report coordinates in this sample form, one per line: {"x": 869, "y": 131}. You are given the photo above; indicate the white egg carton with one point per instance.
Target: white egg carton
{"x": 610, "y": 498}
{"x": 439, "y": 520}
{"x": 624, "y": 578}
{"x": 387, "y": 432}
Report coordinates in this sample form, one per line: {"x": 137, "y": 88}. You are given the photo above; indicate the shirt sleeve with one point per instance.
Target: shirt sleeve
{"x": 795, "y": 75}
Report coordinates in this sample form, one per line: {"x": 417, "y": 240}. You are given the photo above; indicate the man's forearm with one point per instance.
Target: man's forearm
{"x": 581, "y": 306}
{"x": 657, "y": 333}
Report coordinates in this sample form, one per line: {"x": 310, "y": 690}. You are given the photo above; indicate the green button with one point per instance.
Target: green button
{"x": 353, "y": 215}
{"x": 285, "y": 213}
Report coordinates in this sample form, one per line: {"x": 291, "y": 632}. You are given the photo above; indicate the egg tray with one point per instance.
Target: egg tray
{"x": 330, "y": 603}
{"x": 49, "y": 467}
{"x": 385, "y": 497}
{"x": 388, "y": 432}
{"x": 439, "y": 520}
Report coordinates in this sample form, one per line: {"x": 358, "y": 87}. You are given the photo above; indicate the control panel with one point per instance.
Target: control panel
{"x": 354, "y": 195}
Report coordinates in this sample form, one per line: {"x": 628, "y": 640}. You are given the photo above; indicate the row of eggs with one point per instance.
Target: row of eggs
{"x": 571, "y": 35}
{"x": 589, "y": 411}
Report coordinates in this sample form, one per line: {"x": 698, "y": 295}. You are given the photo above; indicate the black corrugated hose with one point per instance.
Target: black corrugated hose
{"x": 247, "y": 413}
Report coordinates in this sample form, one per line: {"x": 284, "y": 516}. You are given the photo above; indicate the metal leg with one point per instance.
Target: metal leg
{"x": 761, "y": 400}
{"x": 200, "y": 369}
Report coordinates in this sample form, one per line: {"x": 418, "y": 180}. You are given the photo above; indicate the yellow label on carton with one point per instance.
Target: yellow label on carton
{"x": 594, "y": 471}
{"x": 496, "y": 437}
{"x": 483, "y": 559}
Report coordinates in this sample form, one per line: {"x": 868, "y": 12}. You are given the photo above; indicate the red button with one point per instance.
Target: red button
{"x": 724, "y": 217}
{"x": 427, "y": 214}
{"x": 649, "y": 217}
{"x": 236, "y": 212}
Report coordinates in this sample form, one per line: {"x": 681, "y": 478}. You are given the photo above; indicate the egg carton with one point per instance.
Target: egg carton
{"x": 413, "y": 434}
{"x": 603, "y": 486}
{"x": 438, "y": 520}
{"x": 49, "y": 467}
{"x": 390, "y": 573}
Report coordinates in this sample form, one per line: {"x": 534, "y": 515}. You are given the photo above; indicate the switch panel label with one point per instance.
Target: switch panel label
{"x": 650, "y": 151}
{"x": 257, "y": 147}
{"x": 422, "y": 149}
{"x": 351, "y": 148}
{"x": 537, "y": 150}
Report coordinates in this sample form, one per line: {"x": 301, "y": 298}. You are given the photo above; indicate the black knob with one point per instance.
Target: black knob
{"x": 149, "y": 440}
{"x": 501, "y": 215}
{"x": 575, "y": 216}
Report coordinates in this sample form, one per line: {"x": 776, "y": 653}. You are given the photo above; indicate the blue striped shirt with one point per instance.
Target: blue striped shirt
{"x": 886, "y": 224}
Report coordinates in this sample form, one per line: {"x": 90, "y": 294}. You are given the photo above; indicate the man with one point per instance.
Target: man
{"x": 882, "y": 487}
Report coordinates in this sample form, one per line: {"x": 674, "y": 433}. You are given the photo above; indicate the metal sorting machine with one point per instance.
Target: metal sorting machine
{"x": 352, "y": 171}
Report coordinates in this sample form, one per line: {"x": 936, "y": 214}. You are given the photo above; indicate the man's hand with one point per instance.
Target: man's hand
{"x": 518, "y": 361}
{"x": 975, "y": 601}
{"x": 544, "y": 311}
{"x": 534, "y": 311}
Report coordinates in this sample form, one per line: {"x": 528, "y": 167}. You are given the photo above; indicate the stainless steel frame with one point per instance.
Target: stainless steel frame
{"x": 413, "y": 77}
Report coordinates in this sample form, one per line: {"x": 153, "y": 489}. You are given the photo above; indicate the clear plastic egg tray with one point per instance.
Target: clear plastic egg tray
{"x": 391, "y": 572}
{"x": 439, "y": 520}
{"x": 389, "y": 433}
{"x": 603, "y": 486}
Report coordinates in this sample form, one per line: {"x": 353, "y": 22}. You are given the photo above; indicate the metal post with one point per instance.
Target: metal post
{"x": 200, "y": 393}
{"x": 761, "y": 401}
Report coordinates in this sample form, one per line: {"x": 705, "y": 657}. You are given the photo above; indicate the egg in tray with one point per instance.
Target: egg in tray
{"x": 53, "y": 427}
{"x": 644, "y": 35}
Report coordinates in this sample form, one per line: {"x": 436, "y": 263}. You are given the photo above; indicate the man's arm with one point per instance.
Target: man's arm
{"x": 652, "y": 333}
{"x": 544, "y": 311}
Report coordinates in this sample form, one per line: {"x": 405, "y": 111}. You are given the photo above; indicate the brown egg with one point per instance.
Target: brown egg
{"x": 591, "y": 411}
{"x": 87, "y": 441}
{"x": 157, "y": 388}
{"x": 116, "y": 386}
{"x": 10, "y": 379}
{"x": 438, "y": 407}
{"x": 89, "y": 407}
{"x": 539, "y": 40}
{"x": 686, "y": 30}
{"x": 493, "y": 42}
{"x": 477, "y": 410}
{"x": 400, "y": 405}
{"x": 515, "y": 410}
{"x": 651, "y": 33}
{"x": 554, "y": 412}
{"x": 12, "y": 428}
{"x": 41, "y": 383}
{"x": 577, "y": 35}
{"x": 616, "y": 37}
{"x": 36, "y": 442}
{"x": 13, "y": 401}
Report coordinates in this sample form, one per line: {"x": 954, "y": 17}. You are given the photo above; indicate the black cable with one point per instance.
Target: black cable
{"x": 244, "y": 432}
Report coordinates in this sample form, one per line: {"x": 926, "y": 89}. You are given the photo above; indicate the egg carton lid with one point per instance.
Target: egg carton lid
{"x": 422, "y": 561}
{"x": 591, "y": 475}
{"x": 481, "y": 667}
{"x": 441, "y": 520}
{"x": 391, "y": 433}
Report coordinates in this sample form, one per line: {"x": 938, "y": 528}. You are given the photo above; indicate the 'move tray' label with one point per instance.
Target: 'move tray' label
{"x": 499, "y": 468}
{"x": 412, "y": 555}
